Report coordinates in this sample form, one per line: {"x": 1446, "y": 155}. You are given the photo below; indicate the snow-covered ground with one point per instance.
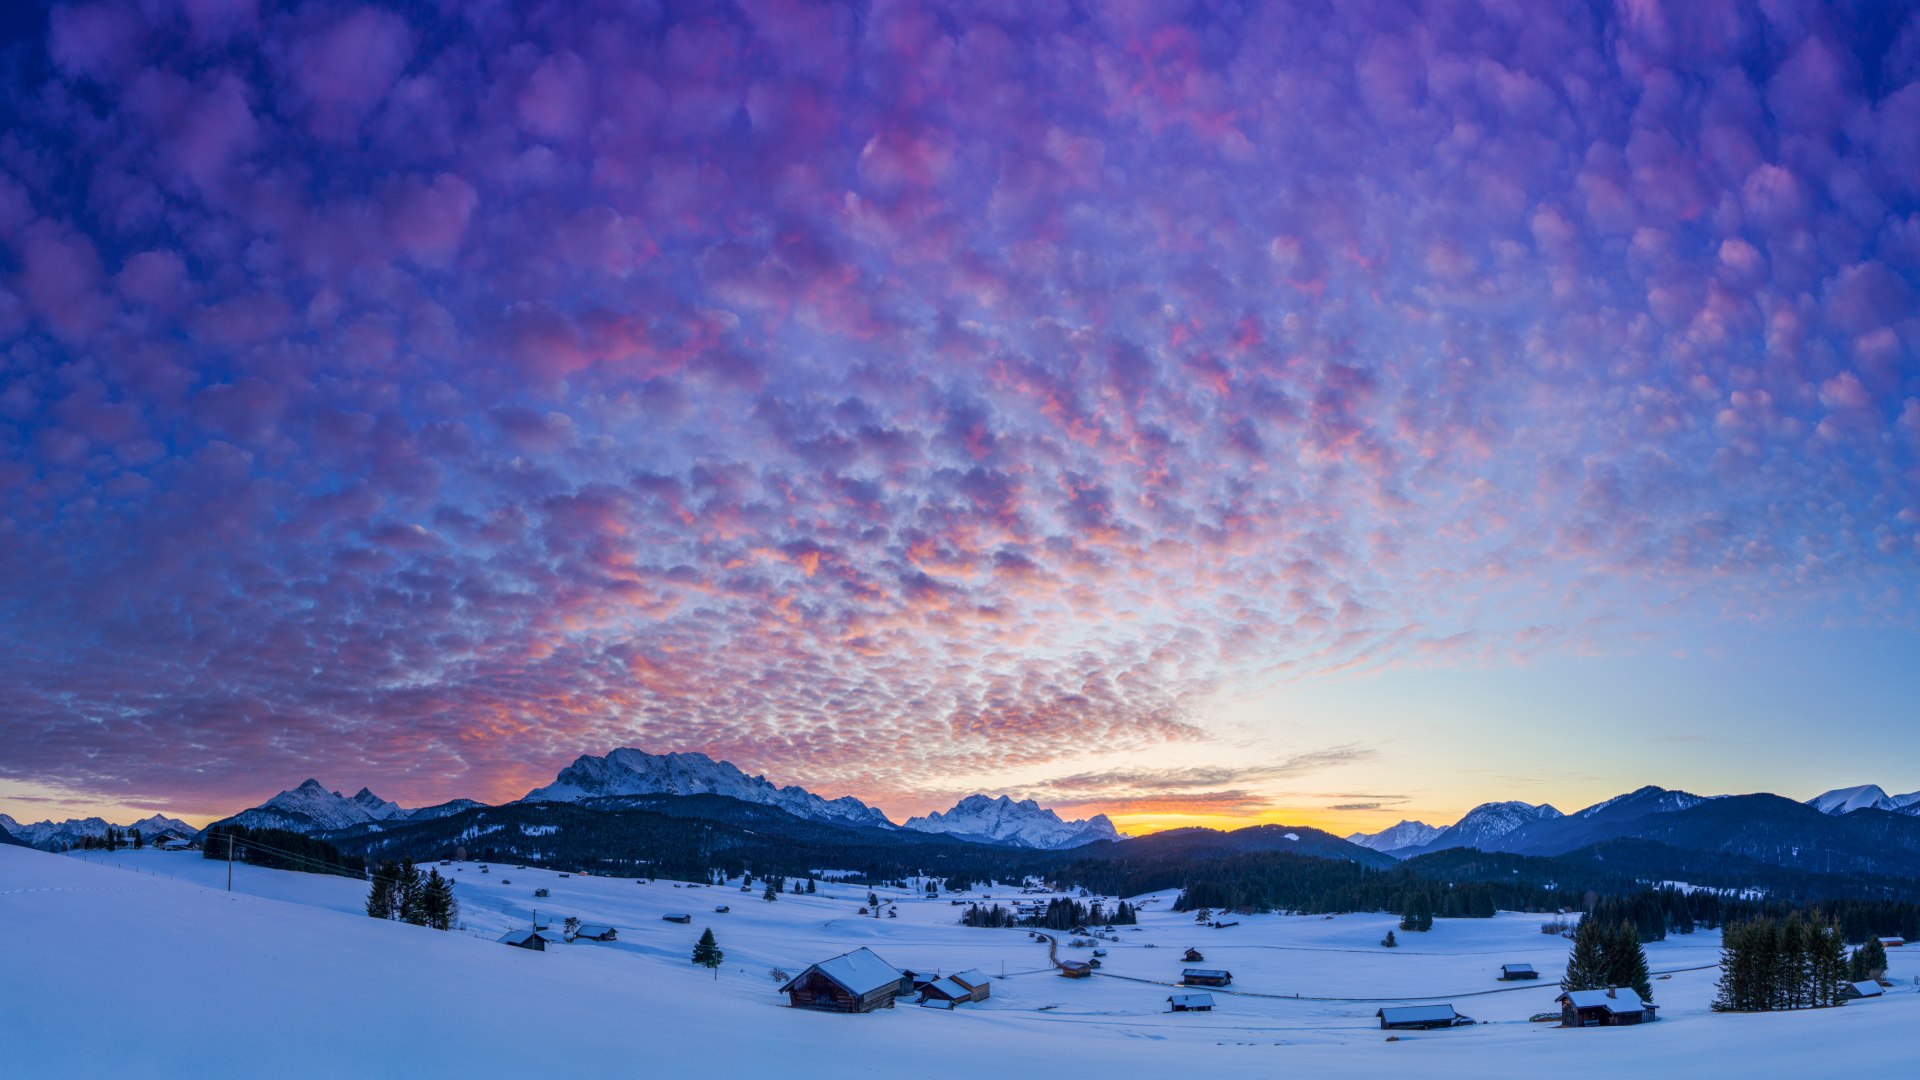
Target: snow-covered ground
{"x": 139, "y": 963}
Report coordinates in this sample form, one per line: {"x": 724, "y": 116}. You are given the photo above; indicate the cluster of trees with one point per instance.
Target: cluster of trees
{"x": 1279, "y": 881}
{"x": 1060, "y": 913}
{"x": 114, "y": 839}
{"x": 1769, "y": 964}
{"x": 402, "y": 893}
{"x": 1418, "y": 914}
{"x": 1868, "y": 962}
{"x": 278, "y": 849}
{"x": 1607, "y": 954}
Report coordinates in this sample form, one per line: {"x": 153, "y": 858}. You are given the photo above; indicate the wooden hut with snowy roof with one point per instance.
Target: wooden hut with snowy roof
{"x": 855, "y": 982}
{"x": 535, "y": 940}
{"x": 1514, "y": 972}
{"x": 594, "y": 932}
{"x": 1616, "y": 1006}
{"x": 1417, "y": 1017}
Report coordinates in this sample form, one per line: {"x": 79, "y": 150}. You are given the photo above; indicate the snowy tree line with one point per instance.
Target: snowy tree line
{"x": 402, "y": 893}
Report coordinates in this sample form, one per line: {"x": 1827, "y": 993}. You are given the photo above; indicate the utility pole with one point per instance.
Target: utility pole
{"x": 229, "y": 862}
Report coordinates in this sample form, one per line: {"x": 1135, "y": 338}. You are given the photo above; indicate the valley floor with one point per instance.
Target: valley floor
{"x": 140, "y": 964}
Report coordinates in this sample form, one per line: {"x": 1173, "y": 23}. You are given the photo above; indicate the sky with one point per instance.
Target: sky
{"x": 1198, "y": 413}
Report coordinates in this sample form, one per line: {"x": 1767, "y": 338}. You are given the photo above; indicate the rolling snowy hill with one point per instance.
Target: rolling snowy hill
{"x": 285, "y": 950}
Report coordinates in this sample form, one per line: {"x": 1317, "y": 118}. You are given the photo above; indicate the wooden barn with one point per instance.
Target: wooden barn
{"x": 1191, "y": 1002}
{"x": 978, "y": 985}
{"x": 1612, "y": 1007}
{"x": 594, "y": 932}
{"x": 854, "y": 982}
{"x": 681, "y": 919}
{"x": 947, "y": 989}
{"x": 1075, "y": 969}
{"x": 1867, "y": 989}
{"x": 1515, "y": 972}
{"x": 1892, "y": 942}
{"x": 1418, "y": 1017}
{"x": 1206, "y": 977}
{"x": 1193, "y": 956}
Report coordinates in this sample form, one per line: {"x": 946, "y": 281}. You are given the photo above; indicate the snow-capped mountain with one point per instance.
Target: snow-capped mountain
{"x": 1024, "y": 824}
{"x": 311, "y": 808}
{"x": 1865, "y": 797}
{"x": 1487, "y": 823}
{"x": 1407, "y": 834}
{"x": 635, "y": 772}
{"x": 48, "y": 834}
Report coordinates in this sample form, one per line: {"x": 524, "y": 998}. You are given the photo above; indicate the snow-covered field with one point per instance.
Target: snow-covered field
{"x": 140, "y": 964}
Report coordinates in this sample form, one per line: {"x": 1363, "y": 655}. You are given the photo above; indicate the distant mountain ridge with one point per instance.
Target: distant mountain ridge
{"x": 628, "y": 771}
{"x": 311, "y": 808}
{"x": 1865, "y": 797}
{"x": 1004, "y": 821}
{"x": 1405, "y": 834}
{"x": 50, "y": 834}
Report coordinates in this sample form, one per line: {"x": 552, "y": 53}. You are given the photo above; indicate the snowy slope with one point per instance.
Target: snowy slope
{"x": 635, "y": 772}
{"x": 1024, "y": 823}
{"x": 1406, "y": 834}
{"x": 417, "y": 1003}
{"x": 46, "y": 834}
{"x": 1866, "y": 796}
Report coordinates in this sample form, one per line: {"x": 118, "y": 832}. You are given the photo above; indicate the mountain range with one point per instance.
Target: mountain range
{"x": 626, "y": 774}
{"x": 1864, "y": 797}
{"x": 51, "y": 834}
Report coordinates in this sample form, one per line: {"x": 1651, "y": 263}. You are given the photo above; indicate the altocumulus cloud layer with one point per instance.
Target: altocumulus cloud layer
{"x": 422, "y": 395}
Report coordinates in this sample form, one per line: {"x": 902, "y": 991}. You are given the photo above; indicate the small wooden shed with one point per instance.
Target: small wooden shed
{"x": 1612, "y": 1007}
{"x": 681, "y": 919}
{"x": 595, "y": 932}
{"x": 1193, "y": 956}
{"x": 1417, "y": 1017}
{"x": 1515, "y": 972}
{"x": 1075, "y": 969}
{"x": 1867, "y": 989}
{"x": 1206, "y": 977}
{"x": 1191, "y": 1002}
{"x": 979, "y": 987}
{"x": 854, "y": 982}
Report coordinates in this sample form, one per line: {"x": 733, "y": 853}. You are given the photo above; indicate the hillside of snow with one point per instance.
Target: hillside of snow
{"x": 304, "y": 984}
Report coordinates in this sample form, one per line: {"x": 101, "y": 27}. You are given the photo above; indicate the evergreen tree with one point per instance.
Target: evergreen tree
{"x": 707, "y": 954}
{"x": 380, "y": 898}
{"x": 410, "y": 894}
{"x": 437, "y": 898}
{"x": 771, "y": 893}
{"x": 1587, "y": 963}
{"x": 1390, "y": 941}
{"x": 138, "y": 840}
{"x": 1869, "y": 961}
{"x": 1625, "y": 960}
{"x": 810, "y": 889}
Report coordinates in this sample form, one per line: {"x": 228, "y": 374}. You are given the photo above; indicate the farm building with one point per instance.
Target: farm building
{"x": 683, "y": 919}
{"x": 858, "y": 981}
{"x": 721, "y": 909}
{"x": 1513, "y": 972}
{"x": 1612, "y": 1007}
{"x": 1867, "y": 989}
{"x": 947, "y": 989}
{"x": 1191, "y": 1002}
{"x": 1075, "y": 969}
{"x": 537, "y": 940}
{"x": 1418, "y": 1017}
{"x": 977, "y": 984}
{"x": 594, "y": 932}
{"x": 1206, "y": 977}
{"x": 1892, "y": 942}
{"x": 1194, "y": 956}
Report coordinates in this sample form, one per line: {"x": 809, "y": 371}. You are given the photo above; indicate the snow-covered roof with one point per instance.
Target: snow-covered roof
{"x": 859, "y": 972}
{"x": 949, "y": 987}
{"x": 969, "y": 978}
{"x": 521, "y": 937}
{"x": 1868, "y": 989}
{"x": 1204, "y": 973}
{"x": 1622, "y": 1000}
{"x": 1516, "y": 967}
{"x": 1416, "y": 1014}
{"x": 1192, "y": 1001}
{"x": 593, "y": 930}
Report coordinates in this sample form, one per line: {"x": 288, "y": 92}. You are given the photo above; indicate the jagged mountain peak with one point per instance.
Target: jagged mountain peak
{"x": 1002, "y": 820}
{"x": 631, "y": 771}
{"x": 1404, "y": 834}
